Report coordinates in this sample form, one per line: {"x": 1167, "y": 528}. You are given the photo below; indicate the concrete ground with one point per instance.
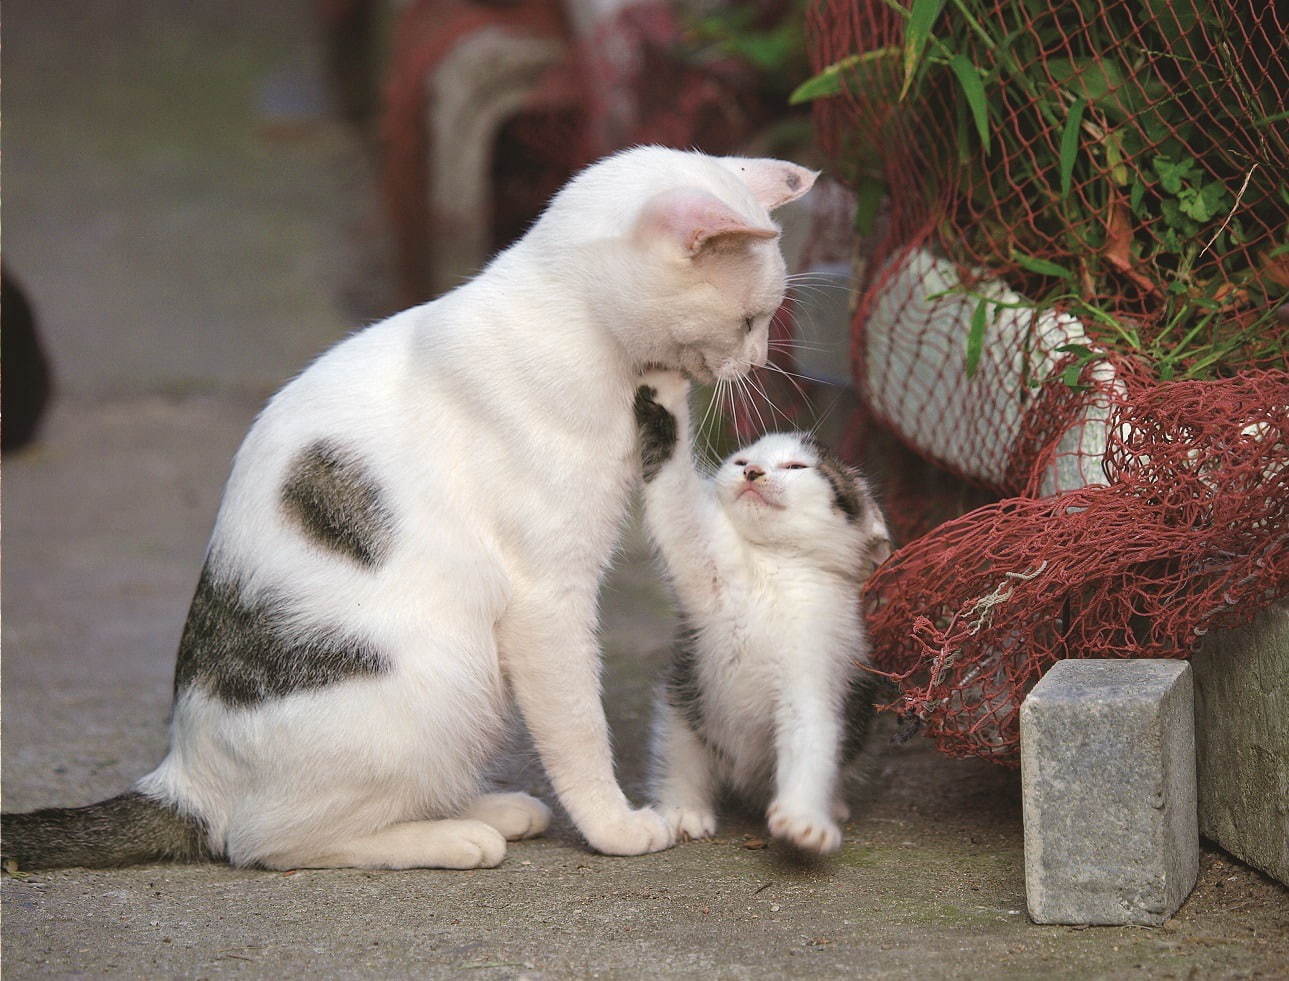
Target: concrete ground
{"x": 191, "y": 232}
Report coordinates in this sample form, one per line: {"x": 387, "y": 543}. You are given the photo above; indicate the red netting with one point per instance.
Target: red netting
{"x": 1081, "y": 200}
{"x": 1191, "y": 533}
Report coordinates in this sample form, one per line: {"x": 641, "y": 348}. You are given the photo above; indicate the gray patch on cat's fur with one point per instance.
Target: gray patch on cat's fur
{"x": 338, "y": 504}
{"x": 845, "y": 494}
{"x": 245, "y": 652}
{"x": 680, "y": 683}
{"x": 124, "y": 830}
{"x": 657, "y": 429}
{"x": 793, "y": 181}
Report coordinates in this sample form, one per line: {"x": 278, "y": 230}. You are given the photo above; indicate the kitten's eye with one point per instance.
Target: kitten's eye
{"x": 795, "y": 466}
{"x": 740, "y": 463}
{"x": 748, "y": 323}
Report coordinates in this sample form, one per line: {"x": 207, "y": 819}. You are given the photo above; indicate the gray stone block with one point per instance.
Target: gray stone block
{"x": 1108, "y": 781}
{"x": 1242, "y": 740}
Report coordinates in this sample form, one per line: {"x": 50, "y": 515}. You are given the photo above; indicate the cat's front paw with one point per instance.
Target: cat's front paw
{"x": 669, "y": 389}
{"x": 807, "y": 829}
{"x": 689, "y": 823}
{"x": 634, "y": 833}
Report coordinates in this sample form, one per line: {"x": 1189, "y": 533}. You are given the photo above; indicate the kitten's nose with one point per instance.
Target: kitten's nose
{"x": 753, "y": 472}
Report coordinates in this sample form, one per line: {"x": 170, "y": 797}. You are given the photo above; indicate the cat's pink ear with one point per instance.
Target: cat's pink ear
{"x": 693, "y": 220}
{"x": 772, "y": 182}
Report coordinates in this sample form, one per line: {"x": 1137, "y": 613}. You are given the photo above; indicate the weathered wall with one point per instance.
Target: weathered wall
{"x": 1242, "y": 741}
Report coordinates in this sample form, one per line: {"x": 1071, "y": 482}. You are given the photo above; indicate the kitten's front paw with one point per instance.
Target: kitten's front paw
{"x": 689, "y": 823}
{"x": 811, "y": 831}
{"x": 634, "y": 833}
{"x": 670, "y": 389}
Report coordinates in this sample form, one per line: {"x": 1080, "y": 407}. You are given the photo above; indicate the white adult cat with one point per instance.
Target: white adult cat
{"x": 763, "y": 694}
{"x": 415, "y": 530}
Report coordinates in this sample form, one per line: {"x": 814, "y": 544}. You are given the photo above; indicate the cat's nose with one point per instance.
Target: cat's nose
{"x": 752, "y": 473}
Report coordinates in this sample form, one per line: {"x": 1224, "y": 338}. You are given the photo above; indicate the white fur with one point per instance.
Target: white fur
{"x": 497, "y": 423}
{"x": 767, "y": 571}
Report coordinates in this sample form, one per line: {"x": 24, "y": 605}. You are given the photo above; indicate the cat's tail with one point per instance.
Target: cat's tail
{"x": 126, "y": 830}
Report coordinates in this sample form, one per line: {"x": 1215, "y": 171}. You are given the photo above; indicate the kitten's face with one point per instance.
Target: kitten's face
{"x": 785, "y": 489}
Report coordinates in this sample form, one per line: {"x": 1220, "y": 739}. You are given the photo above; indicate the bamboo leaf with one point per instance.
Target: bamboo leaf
{"x": 974, "y": 89}
{"x": 1041, "y": 266}
{"x": 916, "y": 32}
{"x": 1070, "y": 144}
{"x": 976, "y": 336}
{"x": 829, "y": 82}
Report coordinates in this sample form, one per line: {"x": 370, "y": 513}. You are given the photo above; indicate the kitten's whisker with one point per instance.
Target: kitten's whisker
{"x": 824, "y": 418}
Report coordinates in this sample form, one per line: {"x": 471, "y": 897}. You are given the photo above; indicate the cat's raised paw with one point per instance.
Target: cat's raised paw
{"x": 808, "y": 830}
{"x": 670, "y": 389}
{"x": 689, "y": 823}
{"x": 634, "y": 833}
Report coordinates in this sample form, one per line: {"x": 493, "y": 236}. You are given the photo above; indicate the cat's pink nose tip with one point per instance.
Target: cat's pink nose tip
{"x": 752, "y": 473}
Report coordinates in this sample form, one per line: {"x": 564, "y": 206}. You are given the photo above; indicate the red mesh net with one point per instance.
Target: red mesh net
{"x": 1191, "y": 533}
{"x": 1075, "y": 294}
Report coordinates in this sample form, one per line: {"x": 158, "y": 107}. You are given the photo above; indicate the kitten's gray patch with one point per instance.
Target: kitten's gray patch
{"x": 793, "y": 181}
{"x": 338, "y": 504}
{"x": 657, "y": 429}
{"x": 866, "y": 691}
{"x": 245, "y": 653}
{"x": 845, "y": 495}
{"x": 680, "y": 683}
{"x": 125, "y": 830}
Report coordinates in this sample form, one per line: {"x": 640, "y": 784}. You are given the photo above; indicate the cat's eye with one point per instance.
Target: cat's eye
{"x": 740, "y": 463}
{"x": 748, "y": 323}
{"x": 795, "y": 466}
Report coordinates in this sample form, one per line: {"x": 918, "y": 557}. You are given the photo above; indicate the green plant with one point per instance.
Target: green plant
{"x": 1119, "y": 159}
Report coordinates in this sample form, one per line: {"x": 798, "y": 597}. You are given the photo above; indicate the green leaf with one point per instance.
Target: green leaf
{"x": 916, "y": 33}
{"x": 974, "y": 89}
{"x": 1135, "y": 194}
{"x": 1070, "y": 144}
{"x": 1041, "y": 266}
{"x": 829, "y": 82}
{"x": 976, "y": 336}
{"x": 1205, "y": 203}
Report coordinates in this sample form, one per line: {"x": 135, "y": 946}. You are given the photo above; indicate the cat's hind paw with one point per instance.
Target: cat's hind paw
{"x": 515, "y": 815}
{"x": 689, "y": 823}
{"x": 808, "y": 830}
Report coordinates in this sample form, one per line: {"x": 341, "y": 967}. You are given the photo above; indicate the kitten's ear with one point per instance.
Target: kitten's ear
{"x": 772, "y": 182}
{"x": 693, "y": 220}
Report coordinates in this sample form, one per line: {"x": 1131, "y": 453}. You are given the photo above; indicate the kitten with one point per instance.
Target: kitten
{"x": 764, "y": 694}
{"x": 414, "y": 533}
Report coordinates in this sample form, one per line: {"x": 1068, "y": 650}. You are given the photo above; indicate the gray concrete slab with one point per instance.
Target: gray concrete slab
{"x": 169, "y": 321}
{"x": 1108, "y": 783}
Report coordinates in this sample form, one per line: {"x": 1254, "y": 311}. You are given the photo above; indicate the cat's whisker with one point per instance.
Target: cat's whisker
{"x": 748, "y": 385}
{"x": 792, "y": 380}
{"x": 770, "y": 402}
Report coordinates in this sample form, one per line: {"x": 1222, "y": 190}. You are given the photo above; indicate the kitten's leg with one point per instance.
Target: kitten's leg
{"x": 808, "y": 743}
{"x": 454, "y": 844}
{"x": 515, "y": 815}
{"x": 549, "y": 651}
{"x": 684, "y": 785}
{"x": 680, "y": 511}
